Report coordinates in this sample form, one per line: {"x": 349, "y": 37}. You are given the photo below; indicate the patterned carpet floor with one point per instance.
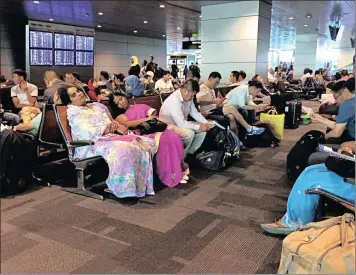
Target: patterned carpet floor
{"x": 210, "y": 225}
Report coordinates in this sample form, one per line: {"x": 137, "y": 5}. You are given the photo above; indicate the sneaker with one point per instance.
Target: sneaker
{"x": 276, "y": 228}
{"x": 255, "y": 131}
{"x": 183, "y": 182}
{"x": 186, "y": 177}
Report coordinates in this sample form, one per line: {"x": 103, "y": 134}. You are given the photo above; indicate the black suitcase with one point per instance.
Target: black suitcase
{"x": 293, "y": 112}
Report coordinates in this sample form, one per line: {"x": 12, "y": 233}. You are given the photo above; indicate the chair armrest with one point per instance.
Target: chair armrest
{"x": 346, "y": 203}
{"x": 80, "y": 143}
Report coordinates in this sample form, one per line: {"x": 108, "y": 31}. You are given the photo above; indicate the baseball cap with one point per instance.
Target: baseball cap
{"x": 149, "y": 73}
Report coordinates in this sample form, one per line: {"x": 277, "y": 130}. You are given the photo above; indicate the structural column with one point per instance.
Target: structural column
{"x": 235, "y": 36}
{"x": 309, "y": 53}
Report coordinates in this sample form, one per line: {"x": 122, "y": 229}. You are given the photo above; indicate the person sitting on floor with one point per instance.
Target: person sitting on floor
{"x": 346, "y": 115}
{"x": 241, "y": 99}
{"x": 170, "y": 155}
{"x": 175, "y": 110}
{"x": 301, "y": 207}
{"x": 129, "y": 157}
{"x": 133, "y": 86}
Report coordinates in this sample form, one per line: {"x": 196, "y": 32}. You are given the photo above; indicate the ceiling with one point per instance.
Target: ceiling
{"x": 128, "y": 16}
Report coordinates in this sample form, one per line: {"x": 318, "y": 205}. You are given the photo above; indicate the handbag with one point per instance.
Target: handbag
{"x": 276, "y": 120}
{"x": 151, "y": 126}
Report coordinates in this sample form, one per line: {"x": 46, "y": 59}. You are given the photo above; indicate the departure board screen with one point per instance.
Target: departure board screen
{"x": 84, "y": 58}
{"x": 84, "y": 43}
{"x": 40, "y": 57}
{"x": 41, "y": 40}
{"x": 63, "y": 58}
{"x": 64, "y": 41}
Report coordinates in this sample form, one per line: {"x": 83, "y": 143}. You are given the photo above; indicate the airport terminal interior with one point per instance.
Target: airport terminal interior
{"x": 160, "y": 137}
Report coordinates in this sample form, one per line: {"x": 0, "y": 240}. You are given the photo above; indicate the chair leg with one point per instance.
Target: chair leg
{"x": 41, "y": 181}
{"x": 80, "y": 189}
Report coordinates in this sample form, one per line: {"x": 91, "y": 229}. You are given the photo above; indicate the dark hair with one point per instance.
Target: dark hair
{"x": 63, "y": 95}
{"x": 61, "y": 77}
{"x": 325, "y": 70}
{"x": 119, "y": 111}
{"x": 76, "y": 75}
{"x": 306, "y": 70}
{"x": 235, "y": 74}
{"x": 330, "y": 85}
{"x": 165, "y": 73}
{"x": 191, "y": 85}
{"x": 215, "y": 75}
{"x": 344, "y": 72}
{"x": 243, "y": 74}
{"x": 152, "y": 57}
{"x": 311, "y": 71}
{"x": 120, "y": 76}
{"x": 338, "y": 86}
{"x": 276, "y": 69}
{"x": 20, "y": 72}
{"x": 196, "y": 74}
{"x": 255, "y": 77}
{"x": 317, "y": 72}
{"x": 105, "y": 74}
{"x": 256, "y": 84}
{"x": 2, "y": 79}
{"x": 337, "y": 76}
{"x": 350, "y": 85}
{"x": 144, "y": 62}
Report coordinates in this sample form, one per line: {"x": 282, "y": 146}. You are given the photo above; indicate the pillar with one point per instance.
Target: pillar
{"x": 235, "y": 36}
{"x": 310, "y": 52}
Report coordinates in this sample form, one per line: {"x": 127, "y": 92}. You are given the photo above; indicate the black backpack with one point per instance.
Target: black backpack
{"x": 17, "y": 157}
{"x": 266, "y": 139}
{"x": 297, "y": 159}
{"x": 219, "y": 149}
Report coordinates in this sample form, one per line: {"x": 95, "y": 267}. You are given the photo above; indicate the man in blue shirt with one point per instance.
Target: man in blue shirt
{"x": 346, "y": 115}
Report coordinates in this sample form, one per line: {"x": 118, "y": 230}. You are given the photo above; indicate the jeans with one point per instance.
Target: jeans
{"x": 301, "y": 208}
{"x": 13, "y": 119}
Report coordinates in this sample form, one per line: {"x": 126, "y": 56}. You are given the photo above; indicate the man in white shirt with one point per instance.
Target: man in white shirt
{"x": 164, "y": 85}
{"x": 24, "y": 94}
{"x": 271, "y": 77}
{"x": 175, "y": 111}
{"x": 306, "y": 75}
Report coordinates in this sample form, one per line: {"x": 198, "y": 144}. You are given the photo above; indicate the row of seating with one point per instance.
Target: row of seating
{"x": 55, "y": 135}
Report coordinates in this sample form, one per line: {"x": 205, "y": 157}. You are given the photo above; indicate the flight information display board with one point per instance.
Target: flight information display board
{"x": 42, "y": 40}
{"x": 64, "y": 41}
{"x": 40, "y": 57}
{"x": 63, "y": 58}
{"x": 84, "y": 43}
{"x": 84, "y": 58}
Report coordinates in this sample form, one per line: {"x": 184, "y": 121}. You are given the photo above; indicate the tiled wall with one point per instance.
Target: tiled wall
{"x": 113, "y": 51}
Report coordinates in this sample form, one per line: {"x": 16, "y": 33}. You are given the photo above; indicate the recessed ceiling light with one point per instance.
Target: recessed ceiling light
{"x": 145, "y": 22}
{"x": 36, "y": 2}
{"x": 291, "y": 18}
{"x": 51, "y": 19}
{"x": 305, "y": 25}
{"x": 135, "y": 31}
{"x": 178, "y": 28}
{"x": 163, "y": 35}
{"x": 162, "y": 6}
{"x": 100, "y": 13}
{"x": 99, "y": 26}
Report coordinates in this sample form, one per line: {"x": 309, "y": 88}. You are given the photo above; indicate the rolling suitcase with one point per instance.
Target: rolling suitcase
{"x": 293, "y": 112}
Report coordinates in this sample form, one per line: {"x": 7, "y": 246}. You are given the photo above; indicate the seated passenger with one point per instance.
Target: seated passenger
{"x": 306, "y": 75}
{"x": 346, "y": 115}
{"x": 301, "y": 207}
{"x": 133, "y": 86}
{"x": 242, "y": 79}
{"x": 175, "y": 111}
{"x": 170, "y": 156}
{"x": 95, "y": 91}
{"x": 2, "y": 81}
{"x": 10, "y": 118}
{"x": 53, "y": 83}
{"x": 241, "y": 99}
{"x": 104, "y": 78}
{"x": 234, "y": 78}
{"x": 164, "y": 85}
{"x": 149, "y": 77}
{"x": 129, "y": 157}
{"x": 271, "y": 77}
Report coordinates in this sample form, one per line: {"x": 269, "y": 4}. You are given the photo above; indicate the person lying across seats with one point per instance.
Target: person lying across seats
{"x": 301, "y": 207}
{"x": 133, "y": 86}
{"x": 170, "y": 155}
{"x": 175, "y": 111}
{"x": 24, "y": 96}
{"x": 346, "y": 115}
{"x": 129, "y": 157}
{"x": 241, "y": 99}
